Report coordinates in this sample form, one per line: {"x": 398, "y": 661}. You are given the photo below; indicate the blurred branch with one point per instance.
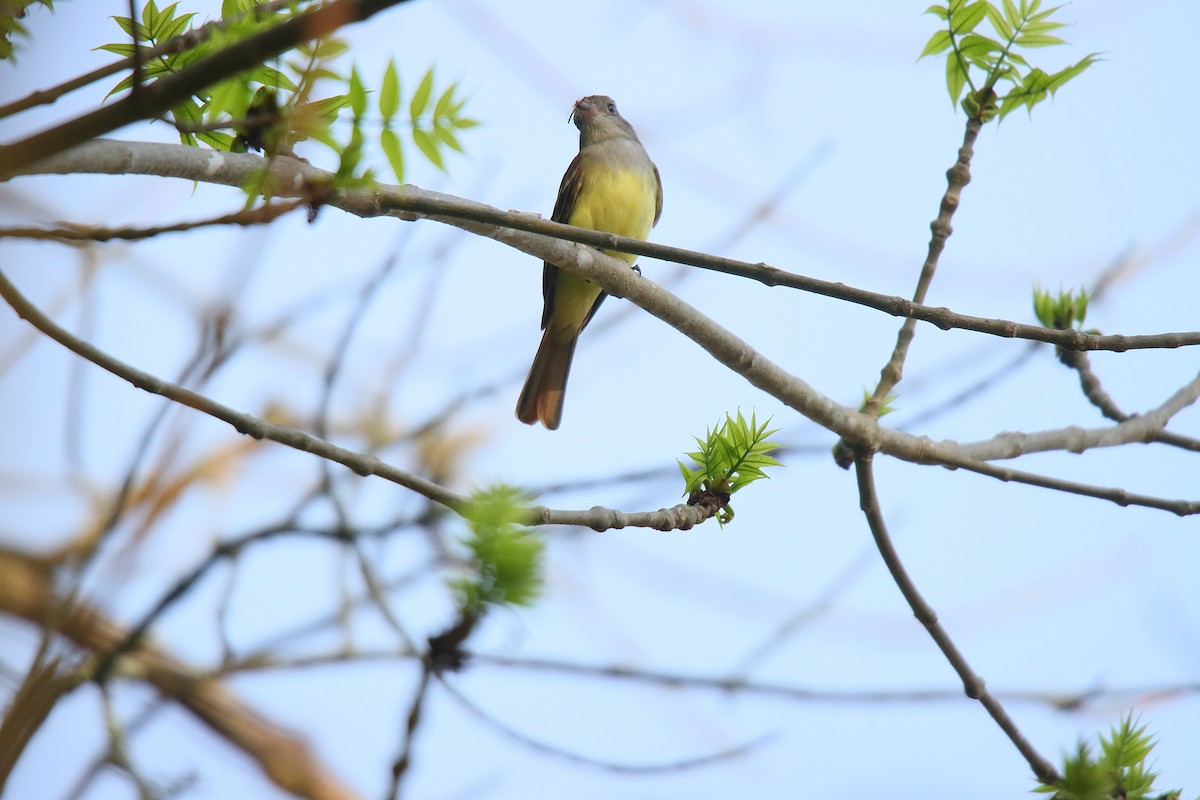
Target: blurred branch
{"x": 734, "y": 684}
{"x": 71, "y": 232}
{"x": 609, "y": 766}
{"x": 727, "y": 684}
{"x": 973, "y": 685}
{"x": 43, "y": 686}
{"x": 27, "y": 590}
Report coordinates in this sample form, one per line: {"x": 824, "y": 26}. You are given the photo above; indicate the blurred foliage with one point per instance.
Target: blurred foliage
{"x": 276, "y": 105}
{"x": 1120, "y": 772}
{"x": 982, "y": 62}
{"x": 504, "y": 561}
{"x": 10, "y": 12}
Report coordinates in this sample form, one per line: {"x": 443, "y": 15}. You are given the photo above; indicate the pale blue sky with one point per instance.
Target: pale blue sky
{"x": 1043, "y": 592}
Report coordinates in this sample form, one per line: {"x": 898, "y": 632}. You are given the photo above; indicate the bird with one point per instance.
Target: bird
{"x": 611, "y": 186}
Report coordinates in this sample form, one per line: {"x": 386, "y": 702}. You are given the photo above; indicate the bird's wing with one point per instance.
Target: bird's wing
{"x": 564, "y": 204}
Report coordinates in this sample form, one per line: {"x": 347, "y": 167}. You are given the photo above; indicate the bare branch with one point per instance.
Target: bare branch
{"x": 957, "y": 177}
{"x": 27, "y": 591}
{"x": 609, "y": 766}
{"x": 1094, "y": 391}
{"x": 90, "y": 233}
{"x": 973, "y": 685}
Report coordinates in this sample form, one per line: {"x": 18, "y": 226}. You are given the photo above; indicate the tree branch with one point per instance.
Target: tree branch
{"x": 540, "y": 238}
{"x": 1094, "y": 391}
{"x": 973, "y": 685}
{"x": 27, "y": 591}
{"x": 293, "y": 178}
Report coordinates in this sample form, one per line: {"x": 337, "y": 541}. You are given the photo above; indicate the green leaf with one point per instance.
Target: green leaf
{"x": 223, "y": 98}
{"x": 123, "y": 49}
{"x": 269, "y": 76}
{"x": 445, "y": 102}
{"x": 964, "y": 19}
{"x": 187, "y": 115}
{"x": 389, "y": 142}
{"x": 426, "y": 144}
{"x": 133, "y": 30}
{"x": 1044, "y": 26}
{"x": 447, "y": 136}
{"x": 940, "y": 41}
{"x": 938, "y": 11}
{"x": 389, "y": 94}
{"x": 217, "y": 140}
{"x": 327, "y": 108}
{"x": 1011, "y": 15}
{"x": 357, "y": 94}
{"x": 150, "y": 15}
{"x": 162, "y": 22}
{"x": 175, "y": 27}
{"x": 956, "y": 78}
{"x": 420, "y": 98}
{"x": 1038, "y": 40}
{"x": 976, "y": 49}
{"x": 998, "y": 23}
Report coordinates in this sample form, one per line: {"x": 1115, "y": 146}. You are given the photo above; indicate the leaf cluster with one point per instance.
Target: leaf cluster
{"x": 1060, "y": 311}
{"x": 504, "y": 558}
{"x": 432, "y": 123}
{"x": 10, "y": 12}
{"x": 983, "y": 62}
{"x": 275, "y": 106}
{"x": 731, "y": 457}
{"x": 1121, "y": 770}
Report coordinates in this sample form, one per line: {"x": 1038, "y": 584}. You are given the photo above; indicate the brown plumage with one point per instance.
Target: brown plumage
{"x": 611, "y": 186}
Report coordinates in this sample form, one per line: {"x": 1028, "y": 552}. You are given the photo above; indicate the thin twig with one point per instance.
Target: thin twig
{"x": 725, "y": 684}
{"x": 88, "y": 233}
{"x": 243, "y": 423}
{"x": 973, "y": 685}
{"x": 957, "y": 177}
{"x": 411, "y": 721}
{"x": 609, "y": 766}
{"x": 1094, "y": 391}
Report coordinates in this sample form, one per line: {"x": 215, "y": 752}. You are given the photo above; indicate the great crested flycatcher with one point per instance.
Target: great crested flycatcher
{"x": 611, "y": 186}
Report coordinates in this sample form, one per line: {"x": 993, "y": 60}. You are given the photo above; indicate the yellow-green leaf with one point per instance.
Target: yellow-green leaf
{"x": 389, "y": 93}
{"x": 390, "y": 143}
{"x": 420, "y": 98}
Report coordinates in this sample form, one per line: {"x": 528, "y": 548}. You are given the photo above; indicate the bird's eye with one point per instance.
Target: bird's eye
{"x": 612, "y": 108}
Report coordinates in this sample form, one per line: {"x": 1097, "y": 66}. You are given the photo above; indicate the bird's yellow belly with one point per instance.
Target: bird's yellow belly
{"x": 616, "y": 201}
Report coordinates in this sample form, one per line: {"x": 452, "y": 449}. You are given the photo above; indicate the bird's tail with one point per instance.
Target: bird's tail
{"x": 542, "y": 397}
